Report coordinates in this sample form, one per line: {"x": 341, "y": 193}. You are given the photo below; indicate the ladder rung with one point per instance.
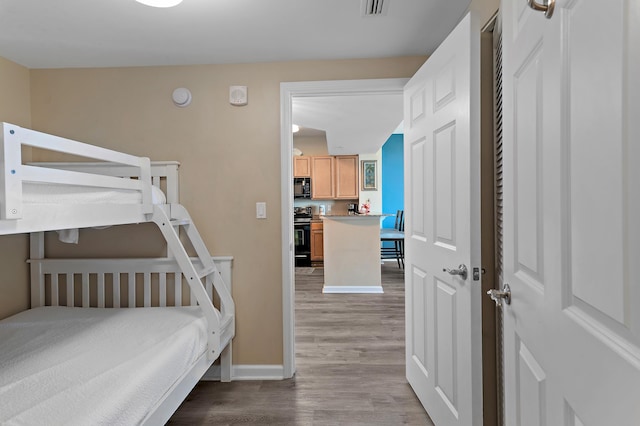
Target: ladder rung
{"x": 206, "y": 271}
{"x": 180, "y": 222}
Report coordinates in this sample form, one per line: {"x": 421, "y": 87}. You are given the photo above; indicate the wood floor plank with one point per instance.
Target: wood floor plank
{"x": 350, "y": 367}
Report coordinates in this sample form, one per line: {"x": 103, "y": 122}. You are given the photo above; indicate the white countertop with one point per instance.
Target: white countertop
{"x": 354, "y": 216}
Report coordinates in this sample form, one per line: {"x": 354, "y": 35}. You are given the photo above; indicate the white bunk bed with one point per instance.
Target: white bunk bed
{"x": 106, "y": 341}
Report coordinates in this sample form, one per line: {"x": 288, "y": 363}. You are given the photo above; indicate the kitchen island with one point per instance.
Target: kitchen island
{"x": 352, "y": 253}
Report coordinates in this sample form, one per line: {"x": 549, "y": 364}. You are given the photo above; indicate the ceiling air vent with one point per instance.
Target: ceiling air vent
{"x": 374, "y": 7}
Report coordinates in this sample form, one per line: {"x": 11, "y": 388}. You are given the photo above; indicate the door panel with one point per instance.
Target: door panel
{"x": 531, "y": 389}
{"x": 442, "y": 228}
{"x": 418, "y": 344}
{"x": 418, "y": 160}
{"x": 446, "y": 356}
{"x": 594, "y": 199}
{"x": 571, "y": 232}
{"x": 527, "y": 147}
{"x": 444, "y": 84}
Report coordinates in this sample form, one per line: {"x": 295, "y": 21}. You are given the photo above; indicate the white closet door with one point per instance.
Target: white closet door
{"x": 572, "y": 213}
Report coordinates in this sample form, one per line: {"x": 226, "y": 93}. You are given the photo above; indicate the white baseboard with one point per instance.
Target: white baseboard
{"x": 352, "y": 289}
{"x": 247, "y": 372}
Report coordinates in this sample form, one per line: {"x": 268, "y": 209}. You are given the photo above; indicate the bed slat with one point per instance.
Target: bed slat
{"x": 162, "y": 283}
{"x": 147, "y": 289}
{"x": 116, "y": 290}
{"x": 178, "y": 289}
{"x": 70, "y": 291}
{"x": 192, "y": 299}
{"x": 85, "y": 290}
{"x": 132, "y": 290}
{"x": 55, "y": 290}
{"x": 100, "y": 290}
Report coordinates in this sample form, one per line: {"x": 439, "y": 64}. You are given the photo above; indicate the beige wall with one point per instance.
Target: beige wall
{"x": 15, "y": 107}
{"x": 230, "y": 159}
{"x": 311, "y": 145}
{"x": 374, "y": 197}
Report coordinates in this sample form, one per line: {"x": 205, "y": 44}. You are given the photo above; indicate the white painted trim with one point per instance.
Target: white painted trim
{"x": 365, "y": 289}
{"x": 287, "y": 92}
{"x": 247, "y": 372}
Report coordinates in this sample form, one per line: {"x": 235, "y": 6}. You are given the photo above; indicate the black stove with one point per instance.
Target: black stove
{"x": 302, "y": 235}
{"x": 301, "y": 219}
{"x": 302, "y": 215}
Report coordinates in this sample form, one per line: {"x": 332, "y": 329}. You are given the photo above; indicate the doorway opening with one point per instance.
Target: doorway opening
{"x": 289, "y": 91}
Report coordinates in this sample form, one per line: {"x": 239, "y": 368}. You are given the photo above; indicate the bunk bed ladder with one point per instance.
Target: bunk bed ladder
{"x": 222, "y": 323}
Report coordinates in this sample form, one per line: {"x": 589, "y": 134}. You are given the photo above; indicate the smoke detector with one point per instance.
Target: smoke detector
{"x": 181, "y": 97}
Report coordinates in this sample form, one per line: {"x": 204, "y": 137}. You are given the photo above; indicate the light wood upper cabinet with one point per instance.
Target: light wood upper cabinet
{"x": 322, "y": 177}
{"x": 334, "y": 177}
{"x": 301, "y": 166}
{"x": 346, "y": 177}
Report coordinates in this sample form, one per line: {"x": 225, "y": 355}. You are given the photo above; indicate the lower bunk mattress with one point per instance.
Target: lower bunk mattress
{"x": 80, "y": 366}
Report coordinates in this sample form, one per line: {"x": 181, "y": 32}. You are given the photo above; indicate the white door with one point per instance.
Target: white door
{"x": 572, "y": 213}
{"x": 442, "y": 205}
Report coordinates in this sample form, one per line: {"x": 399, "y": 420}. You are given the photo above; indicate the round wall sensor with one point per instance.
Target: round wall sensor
{"x": 238, "y": 95}
{"x": 181, "y": 97}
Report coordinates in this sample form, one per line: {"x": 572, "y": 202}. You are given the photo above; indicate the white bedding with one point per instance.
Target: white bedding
{"x": 47, "y": 193}
{"x": 81, "y": 366}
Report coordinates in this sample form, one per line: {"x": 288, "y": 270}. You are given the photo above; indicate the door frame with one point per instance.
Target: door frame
{"x": 289, "y": 91}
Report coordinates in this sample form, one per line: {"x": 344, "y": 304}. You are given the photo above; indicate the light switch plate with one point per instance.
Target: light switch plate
{"x": 261, "y": 210}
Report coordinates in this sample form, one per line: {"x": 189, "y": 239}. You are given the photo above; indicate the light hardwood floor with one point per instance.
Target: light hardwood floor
{"x": 350, "y": 367}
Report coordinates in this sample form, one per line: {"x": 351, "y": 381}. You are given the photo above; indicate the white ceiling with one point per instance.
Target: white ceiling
{"x": 353, "y": 124}
{"x": 116, "y": 33}
{"x": 106, "y": 33}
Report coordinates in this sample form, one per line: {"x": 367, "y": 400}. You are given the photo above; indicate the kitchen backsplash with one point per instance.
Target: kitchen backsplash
{"x": 330, "y": 206}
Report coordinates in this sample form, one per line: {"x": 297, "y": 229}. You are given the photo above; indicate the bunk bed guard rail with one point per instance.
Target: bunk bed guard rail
{"x": 13, "y": 172}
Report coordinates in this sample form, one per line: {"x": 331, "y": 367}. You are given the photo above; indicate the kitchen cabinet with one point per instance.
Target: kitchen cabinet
{"x": 317, "y": 243}
{"x": 346, "y": 186}
{"x": 334, "y": 177}
{"x": 322, "y": 177}
{"x": 301, "y": 166}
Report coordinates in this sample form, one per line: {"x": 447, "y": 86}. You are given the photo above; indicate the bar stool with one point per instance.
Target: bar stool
{"x": 396, "y": 237}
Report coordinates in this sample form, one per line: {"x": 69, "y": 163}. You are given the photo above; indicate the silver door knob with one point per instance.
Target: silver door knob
{"x": 499, "y": 295}
{"x": 541, "y": 7}
{"x": 461, "y": 271}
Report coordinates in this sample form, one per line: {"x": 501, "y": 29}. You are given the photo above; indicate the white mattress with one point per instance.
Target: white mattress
{"x": 47, "y": 193}
{"x": 81, "y": 366}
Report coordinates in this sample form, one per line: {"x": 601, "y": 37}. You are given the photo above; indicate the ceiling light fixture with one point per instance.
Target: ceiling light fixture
{"x": 160, "y": 3}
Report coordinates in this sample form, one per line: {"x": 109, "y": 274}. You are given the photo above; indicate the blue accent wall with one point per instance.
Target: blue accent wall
{"x": 392, "y": 178}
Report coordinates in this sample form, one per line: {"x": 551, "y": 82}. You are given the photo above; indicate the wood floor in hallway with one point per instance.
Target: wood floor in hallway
{"x": 350, "y": 366}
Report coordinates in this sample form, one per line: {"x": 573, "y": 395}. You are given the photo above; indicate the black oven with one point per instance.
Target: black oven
{"x": 302, "y": 240}
{"x": 302, "y": 236}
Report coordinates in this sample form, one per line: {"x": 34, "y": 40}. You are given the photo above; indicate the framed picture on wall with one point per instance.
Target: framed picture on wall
{"x": 369, "y": 175}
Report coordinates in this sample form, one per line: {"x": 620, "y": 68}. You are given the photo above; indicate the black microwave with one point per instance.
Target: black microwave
{"x": 301, "y": 188}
